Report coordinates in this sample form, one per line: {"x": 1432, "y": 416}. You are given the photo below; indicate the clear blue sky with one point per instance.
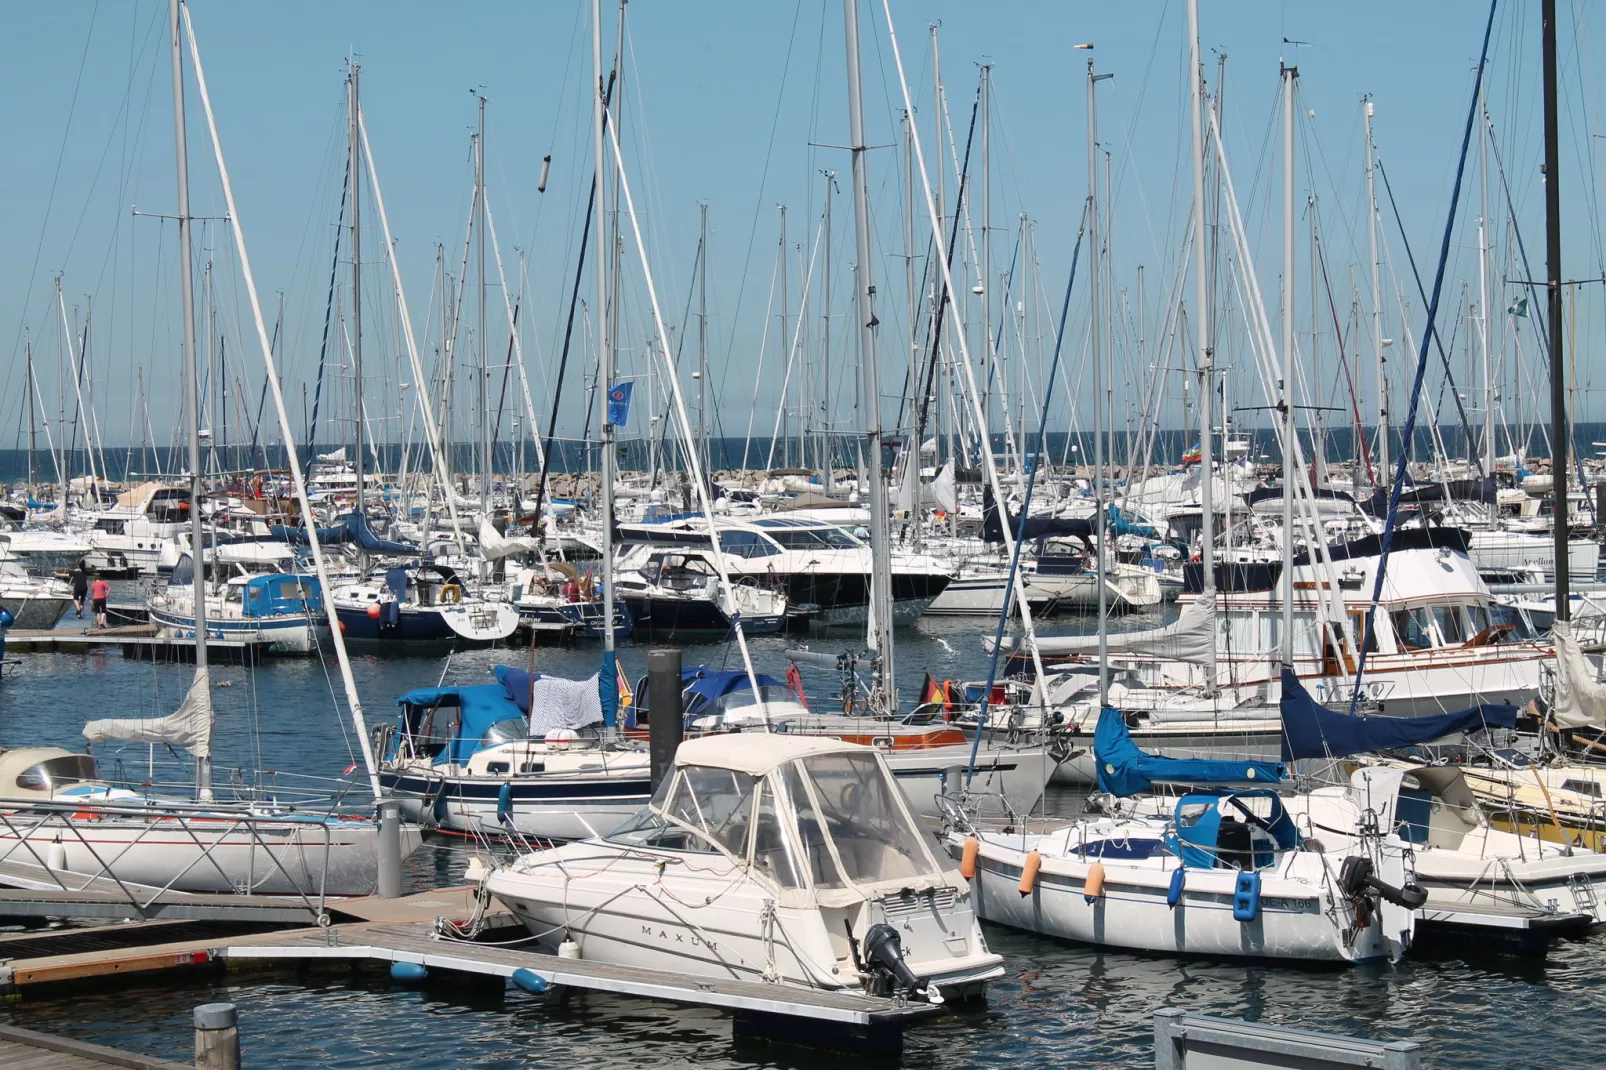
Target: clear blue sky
{"x": 721, "y": 103}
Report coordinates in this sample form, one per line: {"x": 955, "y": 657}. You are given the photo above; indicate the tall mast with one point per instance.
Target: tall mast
{"x": 485, "y": 352}
{"x": 937, "y": 249}
{"x": 826, "y": 473}
{"x": 1379, "y": 360}
{"x": 1202, "y": 329}
{"x": 33, "y": 431}
{"x": 1558, "y": 378}
{"x": 604, "y": 343}
{"x": 786, "y": 339}
{"x": 354, "y": 156}
{"x": 1286, "y": 400}
{"x": 192, "y": 389}
{"x": 1095, "y": 337}
{"x": 864, "y": 293}
{"x": 702, "y": 336}
{"x": 1483, "y": 282}
{"x": 989, "y": 355}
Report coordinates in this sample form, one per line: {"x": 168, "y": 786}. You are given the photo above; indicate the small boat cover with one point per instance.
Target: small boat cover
{"x": 1123, "y": 769}
{"x": 1311, "y": 730}
{"x": 553, "y": 702}
{"x": 353, "y": 528}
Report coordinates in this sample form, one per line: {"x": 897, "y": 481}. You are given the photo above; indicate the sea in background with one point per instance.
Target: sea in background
{"x": 1060, "y": 1005}
{"x": 1126, "y": 446}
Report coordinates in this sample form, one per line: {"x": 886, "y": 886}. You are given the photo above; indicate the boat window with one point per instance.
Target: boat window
{"x": 1358, "y": 620}
{"x": 1478, "y": 624}
{"x": 773, "y": 853}
{"x": 1411, "y": 629}
{"x": 744, "y": 697}
{"x": 507, "y": 730}
{"x": 1521, "y": 627}
{"x": 816, "y": 856}
{"x": 110, "y": 527}
{"x": 873, "y": 835}
{"x": 716, "y": 802}
{"x": 745, "y": 544}
{"x": 1583, "y": 787}
{"x": 1452, "y": 629}
{"x": 812, "y": 539}
{"x": 59, "y": 772}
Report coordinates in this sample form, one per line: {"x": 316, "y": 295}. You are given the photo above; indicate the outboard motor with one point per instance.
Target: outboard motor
{"x": 883, "y": 954}
{"x": 1359, "y": 875}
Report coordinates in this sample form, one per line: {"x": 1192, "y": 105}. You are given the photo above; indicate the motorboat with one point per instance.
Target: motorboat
{"x": 129, "y": 535}
{"x": 35, "y": 601}
{"x": 425, "y": 603}
{"x": 40, "y": 551}
{"x": 62, "y": 825}
{"x": 763, "y": 857}
{"x": 520, "y": 757}
{"x": 823, "y": 571}
{"x": 253, "y": 594}
{"x": 552, "y": 599}
{"x": 678, "y": 592}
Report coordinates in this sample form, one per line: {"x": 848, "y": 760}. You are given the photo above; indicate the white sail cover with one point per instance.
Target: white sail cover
{"x": 1189, "y": 638}
{"x": 1580, "y": 697}
{"x": 938, "y": 493}
{"x": 190, "y": 726}
{"x": 495, "y": 546}
{"x": 337, "y": 457}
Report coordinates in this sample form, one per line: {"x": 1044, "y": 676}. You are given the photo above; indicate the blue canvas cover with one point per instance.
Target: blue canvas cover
{"x": 1311, "y": 730}
{"x": 353, "y": 528}
{"x": 276, "y": 594}
{"x": 1198, "y": 818}
{"x": 702, "y": 687}
{"x": 482, "y": 706}
{"x": 1123, "y": 769}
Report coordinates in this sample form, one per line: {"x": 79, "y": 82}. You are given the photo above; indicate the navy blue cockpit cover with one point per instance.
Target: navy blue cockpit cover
{"x": 1123, "y": 769}
{"x": 1311, "y": 730}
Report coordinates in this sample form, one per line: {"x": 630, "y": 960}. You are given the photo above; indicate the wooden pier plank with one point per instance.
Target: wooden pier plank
{"x": 25, "y": 1049}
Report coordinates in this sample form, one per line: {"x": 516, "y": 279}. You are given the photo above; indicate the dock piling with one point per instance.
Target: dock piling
{"x": 217, "y": 1037}
{"x": 388, "y": 885}
{"x": 665, "y": 713}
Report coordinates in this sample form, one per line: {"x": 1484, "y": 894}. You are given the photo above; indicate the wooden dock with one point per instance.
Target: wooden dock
{"x": 134, "y": 641}
{"x": 404, "y": 931}
{"x": 24, "y": 1049}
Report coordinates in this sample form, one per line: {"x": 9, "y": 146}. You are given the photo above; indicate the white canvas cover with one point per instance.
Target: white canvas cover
{"x": 1189, "y": 638}
{"x": 559, "y": 703}
{"x": 1580, "y": 697}
{"x": 190, "y": 726}
{"x": 495, "y": 546}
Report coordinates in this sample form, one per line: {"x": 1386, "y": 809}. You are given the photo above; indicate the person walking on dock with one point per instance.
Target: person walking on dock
{"x": 99, "y": 591}
{"x": 80, "y": 588}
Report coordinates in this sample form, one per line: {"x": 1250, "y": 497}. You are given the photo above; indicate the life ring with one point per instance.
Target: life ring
{"x": 451, "y": 594}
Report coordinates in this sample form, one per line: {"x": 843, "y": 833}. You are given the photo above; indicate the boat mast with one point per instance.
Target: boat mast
{"x": 864, "y": 292}
{"x": 604, "y": 344}
{"x": 825, "y": 337}
{"x": 33, "y": 431}
{"x": 485, "y": 354}
{"x": 1379, "y": 360}
{"x": 1483, "y": 287}
{"x": 702, "y": 335}
{"x": 1206, "y": 355}
{"x": 1096, "y": 356}
{"x": 354, "y": 156}
{"x": 192, "y": 392}
{"x": 1558, "y": 395}
{"x": 1286, "y": 399}
{"x": 786, "y": 339}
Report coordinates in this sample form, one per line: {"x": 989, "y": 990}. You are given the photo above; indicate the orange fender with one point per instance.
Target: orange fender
{"x": 1028, "y": 873}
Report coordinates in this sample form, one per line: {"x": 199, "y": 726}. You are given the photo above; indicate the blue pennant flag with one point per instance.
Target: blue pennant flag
{"x": 619, "y": 404}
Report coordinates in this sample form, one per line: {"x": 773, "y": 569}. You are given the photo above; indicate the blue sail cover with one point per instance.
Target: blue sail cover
{"x": 1123, "y": 769}
{"x": 701, "y": 687}
{"x": 353, "y": 528}
{"x": 1311, "y": 730}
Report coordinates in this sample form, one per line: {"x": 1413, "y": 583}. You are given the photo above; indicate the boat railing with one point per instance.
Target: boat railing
{"x": 259, "y": 787}
{"x": 33, "y": 825}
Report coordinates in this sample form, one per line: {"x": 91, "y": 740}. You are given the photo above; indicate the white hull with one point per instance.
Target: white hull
{"x": 1019, "y": 774}
{"x": 1523, "y": 551}
{"x": 289, "y": 635}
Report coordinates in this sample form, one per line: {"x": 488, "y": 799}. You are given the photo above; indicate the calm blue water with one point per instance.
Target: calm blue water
{"x": 1060, "y": 1006}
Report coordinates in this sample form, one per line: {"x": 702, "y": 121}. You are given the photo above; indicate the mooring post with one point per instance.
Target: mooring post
{"x": 665, "y": 711}
{"x": 388, "y": 885}
{"x": 217, "y": 1037}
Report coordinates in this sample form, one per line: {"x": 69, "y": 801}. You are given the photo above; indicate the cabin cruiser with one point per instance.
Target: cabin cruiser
{"x": 40, "y": 551}
{"x": 34, "y": 601}
{"x": 764, "y": 857}
{"x": 520, "y": 757}
{"x": 424, "y": 603}
{"x": 130, "y": 535}
{"x": 823, "y": 571}
{"x": 677, "y": 591}
{"x": 64, "y": 826}
{"x": 252, "y": 594}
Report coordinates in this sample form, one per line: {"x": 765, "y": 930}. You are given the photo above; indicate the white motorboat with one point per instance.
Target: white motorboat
{"x": 35, "y": 601}
{"x": 770, "y": 858}
{"x": 131, "y": 534}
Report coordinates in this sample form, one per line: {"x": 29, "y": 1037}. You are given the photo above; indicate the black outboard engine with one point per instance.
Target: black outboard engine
{"x": 883, "y": 954}
{"x": 1359, "y": 875}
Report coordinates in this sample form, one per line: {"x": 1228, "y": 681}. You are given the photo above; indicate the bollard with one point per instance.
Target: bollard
{"x": 665, "y": 712}
{"x": 388, "y": 885}
{"x": 217, "y": 1037}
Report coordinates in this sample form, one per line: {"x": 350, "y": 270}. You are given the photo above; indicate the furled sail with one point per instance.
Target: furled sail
{"x": 190, "y": 726}
{"x": 1189, "y": 638}
{"x": 1580, "y": 697}
{"x": 1124, "y": 769}
{"x": 1311, "y": 730}
{"x": 495, "y": 546}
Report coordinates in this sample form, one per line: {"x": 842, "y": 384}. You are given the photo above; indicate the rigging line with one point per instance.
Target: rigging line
{"x": 1338, "y": 332}
{"x": 311, "y": 430}
{"x": 1421, "y": 365}
{"x": 1433, "y": 330}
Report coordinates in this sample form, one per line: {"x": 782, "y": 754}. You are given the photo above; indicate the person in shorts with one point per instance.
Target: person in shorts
{"x": 99, "y": 591}
{"x": 80, "y": 588}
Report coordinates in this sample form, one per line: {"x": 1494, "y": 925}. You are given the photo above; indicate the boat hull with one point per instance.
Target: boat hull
{"x": 563, "y": 808}
{"x": 288, "y": 634}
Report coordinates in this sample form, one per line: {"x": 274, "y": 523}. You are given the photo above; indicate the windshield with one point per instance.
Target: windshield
{"x": 59, "y": 772}
{"x": 848, "y": 801}
{"x": 811, "y": 539}
{"x": 702, "y": 808}
{"x": 509, "y": 730}
{"x": 745, "y": 697}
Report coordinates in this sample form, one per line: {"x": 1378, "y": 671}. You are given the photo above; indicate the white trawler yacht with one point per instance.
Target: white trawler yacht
{"x": 764, "y": 857}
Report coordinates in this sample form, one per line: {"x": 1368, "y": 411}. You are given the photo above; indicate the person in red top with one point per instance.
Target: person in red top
{"x": 99, "y": 591}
